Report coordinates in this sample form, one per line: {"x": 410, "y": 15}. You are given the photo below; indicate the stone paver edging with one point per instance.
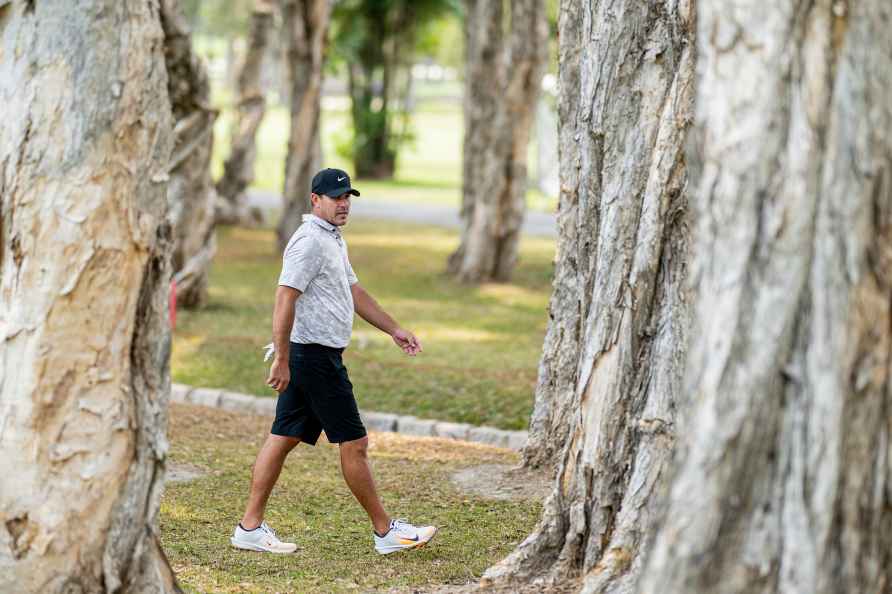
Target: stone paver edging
{"x": 374, "y": 421}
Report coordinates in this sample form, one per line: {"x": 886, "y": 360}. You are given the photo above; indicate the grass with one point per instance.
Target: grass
{"x": 428, "y": 168}
{"x": 312, "y": 506}
{"x": 481, "y": 343}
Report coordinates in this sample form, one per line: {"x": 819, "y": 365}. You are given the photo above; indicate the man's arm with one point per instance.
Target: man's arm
{"x": 369, "y": 310}
{"x": 283, "y": 320}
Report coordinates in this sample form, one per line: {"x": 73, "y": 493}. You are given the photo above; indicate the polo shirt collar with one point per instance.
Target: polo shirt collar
{"x": 321, "y": 222}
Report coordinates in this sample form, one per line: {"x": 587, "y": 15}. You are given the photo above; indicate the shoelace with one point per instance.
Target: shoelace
{"x": 402, "y": 525}
{"x": 265, "y": 527}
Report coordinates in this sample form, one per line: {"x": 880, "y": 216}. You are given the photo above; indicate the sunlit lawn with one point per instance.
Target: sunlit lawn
{"x": 312, "y": 506}
{"x": 481, "y": 344}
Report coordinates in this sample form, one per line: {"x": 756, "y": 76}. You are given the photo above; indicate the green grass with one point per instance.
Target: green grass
{"x": 312, "y": 506}
{"x": 428, "y": 168}
{"x": 481, "y": 343}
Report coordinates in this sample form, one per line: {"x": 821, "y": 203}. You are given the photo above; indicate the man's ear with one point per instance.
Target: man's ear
{"x": 314, "y": 198}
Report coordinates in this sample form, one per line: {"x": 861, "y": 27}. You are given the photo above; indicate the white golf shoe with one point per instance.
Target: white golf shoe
{"x": 262, "y": 538}
{"x": 403, "y": 535}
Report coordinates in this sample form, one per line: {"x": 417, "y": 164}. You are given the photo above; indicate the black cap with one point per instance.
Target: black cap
{"x": 332, "y": 183}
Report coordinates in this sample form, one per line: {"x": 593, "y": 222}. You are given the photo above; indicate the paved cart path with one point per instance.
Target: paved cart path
{"x": 541, "y": 224}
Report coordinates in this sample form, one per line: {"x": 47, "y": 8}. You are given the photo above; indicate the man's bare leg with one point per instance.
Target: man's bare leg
{"x": 358, "y": 474}
{"x": 264, "y": 476}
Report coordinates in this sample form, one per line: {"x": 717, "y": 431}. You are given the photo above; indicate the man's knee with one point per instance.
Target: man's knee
{"x": 281, "y": 443}
{"x": 357, "y": 447}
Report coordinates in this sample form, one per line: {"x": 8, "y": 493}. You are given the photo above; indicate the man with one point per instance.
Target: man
{"x": 312, "y": 322}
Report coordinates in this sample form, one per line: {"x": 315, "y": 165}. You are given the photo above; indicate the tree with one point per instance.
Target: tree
{"x": 376, "y": 41}
{"x": 503, "y": 77}
{"x": 190, "y": 191}
{"x": 609, "y": 378}
{"x": 226, "y": 19}
{"x": 305, "y": 24}
{"x": 440, "y": 41}
{"x": 238, "y": 170}
{"x": 84, "y": 271}
{"x": 220, "y": 20}
{"x": 782, "y": 478}
{"x": 785, "y": 482}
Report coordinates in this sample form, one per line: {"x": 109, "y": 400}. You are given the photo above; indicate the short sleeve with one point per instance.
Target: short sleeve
{"x": 351, "y": 276}
{"x": 301, "y": 263}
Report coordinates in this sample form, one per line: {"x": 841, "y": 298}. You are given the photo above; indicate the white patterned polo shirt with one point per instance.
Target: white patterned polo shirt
{"x": 315, "y": 263}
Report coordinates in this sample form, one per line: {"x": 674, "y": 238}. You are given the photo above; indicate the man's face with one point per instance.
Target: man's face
{"x": 333, "y": 210}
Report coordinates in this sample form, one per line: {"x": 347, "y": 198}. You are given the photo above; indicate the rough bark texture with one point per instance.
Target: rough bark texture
{"x": 503, "y": 78}
{"x": 191, "y": 191}
{"x": 785, "y": 482}
{"x": 84, "y": 269}
{"x": 614, "y": 353}
{"x": 306, "y": 27}
{"x": 238, "y": 170}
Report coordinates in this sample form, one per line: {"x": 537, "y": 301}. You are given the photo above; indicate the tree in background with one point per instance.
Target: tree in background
{"x": 376, "y": 39}
{"x": 222, "y": 20}
{"x": 440, "y": 40}
{"x": 613, "y": 357}
{"x": 502, "y": 83}
{"x": 84, "y": 270}
{"x": 305, "y": 25}
{"x": 191, "y": 190}
{"x": 785, "y": 479}
{"x": 238, "y": 170}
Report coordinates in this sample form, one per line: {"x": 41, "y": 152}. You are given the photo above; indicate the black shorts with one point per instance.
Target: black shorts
{"x": 319, "y": 396}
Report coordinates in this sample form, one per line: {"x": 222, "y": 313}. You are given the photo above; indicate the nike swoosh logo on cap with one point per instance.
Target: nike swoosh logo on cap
{"x": 341, "y": 178}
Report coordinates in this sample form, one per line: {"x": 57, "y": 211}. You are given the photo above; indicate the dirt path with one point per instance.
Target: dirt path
{"x": 178, "y": 472}
{"x": 502, "y": 481}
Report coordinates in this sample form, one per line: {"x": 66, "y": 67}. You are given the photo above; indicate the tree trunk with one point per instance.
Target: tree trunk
{"x": 191, "y": 191}
{"x": 613, "y": 358}
{"x": 84, "y": 272}
{"x": 502, "y": 86}
{"x": 785, "y": 484}
{"x": 370, "y": 81}
{"x": 306, "y": 27}
{"x": 238, "y": 170}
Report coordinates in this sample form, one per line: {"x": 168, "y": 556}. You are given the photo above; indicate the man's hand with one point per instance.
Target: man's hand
{"x": 279, "y": 375}
{"x": 406, "y": 341}
{"x": 369, "y": 310}
{"x": 283, "y": 322}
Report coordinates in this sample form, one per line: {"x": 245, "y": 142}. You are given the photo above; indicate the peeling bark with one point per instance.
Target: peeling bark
{"x": 190, "y": 191}
{"x": 306, "y": 27}
{"x": 238, "y": 170}
{"x": 614, "y": 354}
{"x": 502, "y": 86}
{"x": 84, "y": 270}
{"x": 574, "y": 272}
{"x": 784, "y": 480}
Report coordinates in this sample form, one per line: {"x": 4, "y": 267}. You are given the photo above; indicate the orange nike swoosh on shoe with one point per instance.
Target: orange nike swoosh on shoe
{"x": 409, "y": 541}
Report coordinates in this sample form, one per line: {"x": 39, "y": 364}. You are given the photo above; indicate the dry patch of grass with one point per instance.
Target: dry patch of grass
{"x": 313, "y": 507}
